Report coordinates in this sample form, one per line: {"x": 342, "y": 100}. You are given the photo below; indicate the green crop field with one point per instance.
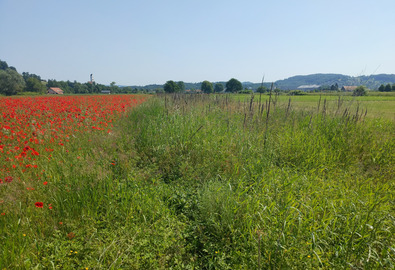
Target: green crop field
{"x": 215, "y": 182}
{"x": 378, "y": 105}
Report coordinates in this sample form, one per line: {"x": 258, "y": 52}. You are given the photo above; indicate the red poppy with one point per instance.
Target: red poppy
{"x": 39, "y": 204}
{"x": 8, "y": 179}
{"x": 3, "y": 214}
{"x": 45, "y": 183}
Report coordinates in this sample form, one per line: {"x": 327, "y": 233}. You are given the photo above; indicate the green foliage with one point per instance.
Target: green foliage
{"x": 159, "y": 91}
{"x": 233, "y": 86}
{"x": 255, "y": 197}
{"x": 114, "y": 88}
{"x": 27, "y": 75}
{"x": 246, "y": 91}
{"x": 171, "y": 87}
{"x": 34, "y": 85}
{"x": 386, "y": 88}
{"x": 11, "y": 82}
{"x": 360, "y": 91}
{"x": 81, "y": 88}
{"x": 382, "y": 88}
{"x": 262, "y": 89}
{"x": 207, "y": 87}
{"x": 181, "y": 86}
{"x": 219, "y": 87}
{"x": 330, "y": 82}
{"x": 205, "y": 182}
{"x": 3, "y": 65}
{"x": 335, "y": 87}
{"x": 297, "y": 93}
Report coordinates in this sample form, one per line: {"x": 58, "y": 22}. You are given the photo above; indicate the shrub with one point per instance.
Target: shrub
{"x": 245, "y": 91}
{"x": 360, "y": 91}
{"x": 296, "y": 93}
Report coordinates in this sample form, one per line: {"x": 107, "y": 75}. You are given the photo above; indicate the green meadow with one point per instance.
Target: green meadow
{"x": 217, "y": 182}
{"x": 378, "y": 104}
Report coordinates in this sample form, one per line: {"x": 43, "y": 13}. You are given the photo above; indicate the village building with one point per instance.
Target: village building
{"x": 55, "y": 91}
{"x": 309, "y": 87}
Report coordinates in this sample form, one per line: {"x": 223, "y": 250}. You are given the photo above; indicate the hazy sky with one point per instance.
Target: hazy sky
{"x": 151, "y": 41}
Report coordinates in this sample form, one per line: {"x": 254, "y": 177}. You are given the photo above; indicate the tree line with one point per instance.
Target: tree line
{"x": 387, "y": 88}
{"x": 232, "y": 86}
{"x": 13, "y": 83}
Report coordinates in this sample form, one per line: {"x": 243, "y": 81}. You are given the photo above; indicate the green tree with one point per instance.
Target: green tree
{"x": 219, "y": 87}
{"x": 393, "y": 87}
{"x": 3, "y": 65}
{"x": 207, "y": 87}
{"x": 335, "y": 87}
{"x": 262, "y": 89}
{"x": 245, "y": 91}
{"x": 388, "y": 88}
{"x": 233, "y": 86}
{"x": 360, "y": 91}
{"x": 382, "y": 88}
{"x": 11, "y": 82}
{"x": 34, "y": 85}
{"x": 181, "y": 86}
{"x": 159, "y": 90}
{"x": 79, "y": 88}
{"x": 27, "y": 75}
{"x": 324, "y": 87}
{"x": 171, "y": 87}
{"x": 114, "y": 88}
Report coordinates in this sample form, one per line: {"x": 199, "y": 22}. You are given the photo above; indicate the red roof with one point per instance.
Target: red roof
{"x": 56, "y": 90}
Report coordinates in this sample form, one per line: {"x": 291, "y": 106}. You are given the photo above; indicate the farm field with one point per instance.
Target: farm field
{"x": 197, "y": 182}
{"x": 379, "y": 105}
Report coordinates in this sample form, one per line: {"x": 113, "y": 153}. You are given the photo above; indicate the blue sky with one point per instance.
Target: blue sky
{"x": 152, "y": 41}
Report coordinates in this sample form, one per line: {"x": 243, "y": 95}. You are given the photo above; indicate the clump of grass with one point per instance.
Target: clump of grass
{"x": 301, "y": 180}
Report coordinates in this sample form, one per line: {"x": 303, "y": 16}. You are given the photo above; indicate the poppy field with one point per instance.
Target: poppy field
{"x": 31, "y": 128}
{"x": 195, "y": 182}
{"x": 36, "y": 131}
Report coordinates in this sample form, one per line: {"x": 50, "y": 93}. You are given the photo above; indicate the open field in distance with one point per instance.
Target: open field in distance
{"x": 379, "y": 105}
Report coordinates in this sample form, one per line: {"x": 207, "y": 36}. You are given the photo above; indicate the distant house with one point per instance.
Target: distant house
{"x": 349, "y": 88}
{"x": 193, "y": 91}
{"x": 55, "y": 91}
{"x": 308, "y": 87}
{"x": 106, "y": 92}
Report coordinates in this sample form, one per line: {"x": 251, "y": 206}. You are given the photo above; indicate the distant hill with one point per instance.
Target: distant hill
{"x": 371, "y": 81}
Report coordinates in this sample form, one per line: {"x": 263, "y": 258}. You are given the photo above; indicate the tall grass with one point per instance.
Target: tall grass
{"x": 261, "y": 182}
{"x": 207, "y": 182}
